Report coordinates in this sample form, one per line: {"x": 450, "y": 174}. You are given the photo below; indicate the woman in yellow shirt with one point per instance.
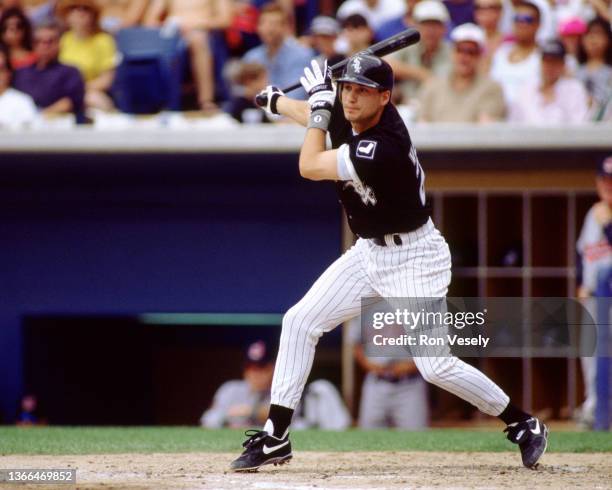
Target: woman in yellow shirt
{"x": 90, "y": 49}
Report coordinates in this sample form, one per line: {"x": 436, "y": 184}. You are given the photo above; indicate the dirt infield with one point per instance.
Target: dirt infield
{"x": 317, "y": 471}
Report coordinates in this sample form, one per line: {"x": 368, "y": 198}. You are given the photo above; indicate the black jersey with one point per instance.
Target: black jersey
{"x": 386, "y": 193}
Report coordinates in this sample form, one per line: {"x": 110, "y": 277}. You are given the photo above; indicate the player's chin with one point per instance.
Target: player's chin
{"x": 351, "y": 114}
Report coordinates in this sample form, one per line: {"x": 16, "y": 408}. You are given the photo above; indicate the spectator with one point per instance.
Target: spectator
{"x": 595, "y": 68}
{"x": 248, "y": 80}
{"x": 92, "y": 51}
{"x": 571, "y": 31}
{"x": 16, "y": 109}
{"x": 397, "y": 24}
{"x": 487, "y": 14}
{"x": 323, "y": 36}
{"x": 393, "y": 392}
{"x": 283, "y": 57}
{"x": 546, "y": 29}
{"x": 196, "y": 19}
{"x": 517, "y": 63}
{"x": 556, "y": 99}
{"x": 431, "y": 57}
{"x": 16, "y": 33}
{"x": 465, "y": 95}
{"x": 121, "y": 14}
{"x": 56, "y": 88}
{"x": 357, "y": 34}
{"x": 376, "y": 12}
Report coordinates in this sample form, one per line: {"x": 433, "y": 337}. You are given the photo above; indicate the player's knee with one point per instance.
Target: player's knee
{"x": 436, "y": 370}
{"x": 299, "y": 322}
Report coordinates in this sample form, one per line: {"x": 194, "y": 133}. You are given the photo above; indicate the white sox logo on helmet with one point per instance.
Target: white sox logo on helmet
{"x": 357, "y": 65}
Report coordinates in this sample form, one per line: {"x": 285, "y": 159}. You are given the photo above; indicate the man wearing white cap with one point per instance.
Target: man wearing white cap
{"x": 465, "y": 95}
{"x": 431, "y": 57}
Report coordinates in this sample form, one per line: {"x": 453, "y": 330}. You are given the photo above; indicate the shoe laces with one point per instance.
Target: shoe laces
{"x": 254, "y": 436}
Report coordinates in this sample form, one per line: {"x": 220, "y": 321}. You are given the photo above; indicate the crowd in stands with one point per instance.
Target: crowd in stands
{"x": 523, "y": 61}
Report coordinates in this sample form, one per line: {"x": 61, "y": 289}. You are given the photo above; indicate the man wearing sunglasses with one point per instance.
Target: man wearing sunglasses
{"x": 465, "y": 95}
{"x": 517, "y": 63}
{"x": 547, "y": 28}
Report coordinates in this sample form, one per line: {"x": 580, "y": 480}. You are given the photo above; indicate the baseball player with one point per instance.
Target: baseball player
{"x": 399, "y": 252}
{"x": 594, "y": 250}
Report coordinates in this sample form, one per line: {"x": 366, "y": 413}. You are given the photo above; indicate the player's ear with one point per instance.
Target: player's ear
{"x": 385, "y": 97}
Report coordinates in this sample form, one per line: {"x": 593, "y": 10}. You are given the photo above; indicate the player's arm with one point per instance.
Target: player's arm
{"x": 275, "y": 102}
{"x": 316, "y": 163}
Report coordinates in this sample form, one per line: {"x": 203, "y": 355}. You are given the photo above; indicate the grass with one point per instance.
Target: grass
{"x": 98, "y": 440}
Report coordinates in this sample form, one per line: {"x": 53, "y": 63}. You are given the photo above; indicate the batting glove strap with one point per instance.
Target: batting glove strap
{"x": 273, "y": 100}
{"x": 326, "y": 96}
{"x": 267, "y": 99}
{"x": 320, "y": 117}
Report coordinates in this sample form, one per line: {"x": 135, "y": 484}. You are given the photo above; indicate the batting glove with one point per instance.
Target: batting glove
{"x": 318, "y": 84}
{"x": 267, "y": 98}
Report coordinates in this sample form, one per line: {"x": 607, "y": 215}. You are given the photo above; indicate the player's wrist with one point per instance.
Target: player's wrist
{"x": 274, "y": 102}
{"x": 320, "y": 115}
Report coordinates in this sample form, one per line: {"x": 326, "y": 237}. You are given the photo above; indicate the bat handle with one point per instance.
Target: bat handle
{"x": 261, "y": 100}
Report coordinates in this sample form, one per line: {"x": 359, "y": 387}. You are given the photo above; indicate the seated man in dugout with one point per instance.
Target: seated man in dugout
{"x": 121, "y": 14}
{"x": 195, "y": 19}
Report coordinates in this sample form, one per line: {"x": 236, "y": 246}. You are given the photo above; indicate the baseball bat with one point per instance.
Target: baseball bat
{"x": 386, "y": 46}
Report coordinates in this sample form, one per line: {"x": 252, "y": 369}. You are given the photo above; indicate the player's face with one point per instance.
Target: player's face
{"x": 360, "y": 103}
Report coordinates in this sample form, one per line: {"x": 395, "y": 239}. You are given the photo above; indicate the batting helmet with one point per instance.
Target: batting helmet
{"x": 368, "y": 70}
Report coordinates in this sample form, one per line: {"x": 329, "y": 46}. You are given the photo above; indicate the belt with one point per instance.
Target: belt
{"x": 380, "y": 240}
{"x": 389, "y": 378}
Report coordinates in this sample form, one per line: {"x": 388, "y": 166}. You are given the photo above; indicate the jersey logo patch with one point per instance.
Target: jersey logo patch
{"x": 365, "y": 193}
{"x": 366, "y": 149}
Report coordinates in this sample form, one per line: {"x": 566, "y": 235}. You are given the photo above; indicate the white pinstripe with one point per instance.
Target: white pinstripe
{"x": 419, "y": 268}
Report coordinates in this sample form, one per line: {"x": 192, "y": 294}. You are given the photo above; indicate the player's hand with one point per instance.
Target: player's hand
{"x": 267, "y": 98}
{"x": 318, "y": 85}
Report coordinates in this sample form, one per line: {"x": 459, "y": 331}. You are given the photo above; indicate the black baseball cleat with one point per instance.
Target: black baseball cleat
{"x": 532, "y": 437}
{"x": 261, "y": 448}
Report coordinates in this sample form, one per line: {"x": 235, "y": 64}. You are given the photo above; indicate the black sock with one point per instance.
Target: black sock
{"x": 513, "y": 414}
{"x": 281, "y": 418}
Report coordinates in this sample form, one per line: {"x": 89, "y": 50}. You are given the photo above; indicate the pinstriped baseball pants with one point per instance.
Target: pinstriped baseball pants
{"x": 419, "y": 268}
